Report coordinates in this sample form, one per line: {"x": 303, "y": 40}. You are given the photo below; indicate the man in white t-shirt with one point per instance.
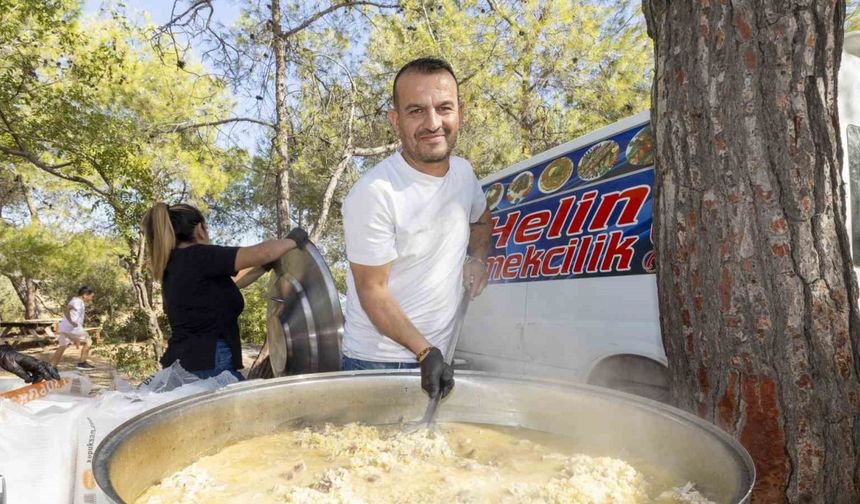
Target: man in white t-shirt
{"x": 409, "y": 223}
{"x": 71, "y": 329}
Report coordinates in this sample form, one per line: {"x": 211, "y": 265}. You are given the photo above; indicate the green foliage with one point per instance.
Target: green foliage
{"x": 89, "y": 102}
{"x": 252, "y": 322}
{"x": 88, "y": 260}
{"x": 133, "y": 361}
{"x": 63, "y": 263}
{"x": 129, "y": 327}
{"x": 10, "y": 306}
{"x": 93, "y": 118}
{"x": 27, "y": 250}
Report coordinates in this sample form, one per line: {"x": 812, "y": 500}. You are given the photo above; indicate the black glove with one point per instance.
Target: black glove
{"x": 29, "y": 369}
{"x": 300, "y": 236}
{"x": 436, "y": 375}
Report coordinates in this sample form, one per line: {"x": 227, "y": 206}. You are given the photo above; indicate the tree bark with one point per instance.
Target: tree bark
{"x": 143, "y": 292}
{"x": 280, "y": 142}
{"x": 31, "y": 288}
{"x": 757, "y": 292}
{"x": 28, "y": 293}
{"x": 20, "y": 288}
{"x": 31, "y": 306}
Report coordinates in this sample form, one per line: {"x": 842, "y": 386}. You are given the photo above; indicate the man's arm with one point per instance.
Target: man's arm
{"x": 371, "y": 284}
{"x": 475, "y": 274}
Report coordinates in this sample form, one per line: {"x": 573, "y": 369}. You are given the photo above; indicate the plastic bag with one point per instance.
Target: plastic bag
{"x": 115, "y": 407}
{"x": 168, "y": 379}
{"x": 38, "y": 443}
{"x": 47, "y": 445}
{"x": 75, "y": 384}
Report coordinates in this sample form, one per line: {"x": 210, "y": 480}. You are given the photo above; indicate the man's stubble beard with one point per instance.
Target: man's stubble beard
{"x": 450, "y": 140}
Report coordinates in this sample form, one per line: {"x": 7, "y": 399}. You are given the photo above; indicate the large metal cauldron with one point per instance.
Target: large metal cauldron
{"x": 166, "y": 439}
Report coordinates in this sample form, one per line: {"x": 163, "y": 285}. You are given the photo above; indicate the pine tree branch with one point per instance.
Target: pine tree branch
{"x": 183, "y": 127}
{"x": 375, "y": 151}
{"x": 316, "y": 16}
{"x": 53, "y": 169}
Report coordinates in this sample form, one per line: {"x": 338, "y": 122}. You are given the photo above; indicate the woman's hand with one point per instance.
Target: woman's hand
{"x": 299, "y": 236}
{"x": 270, "y": 250}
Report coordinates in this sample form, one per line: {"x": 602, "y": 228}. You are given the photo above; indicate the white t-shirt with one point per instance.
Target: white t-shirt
{"x": 75, "y": 322}
{"x": 419, "y": 223}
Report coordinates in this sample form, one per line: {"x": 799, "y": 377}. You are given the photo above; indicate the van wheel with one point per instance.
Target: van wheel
{"x": 633, "y": 374}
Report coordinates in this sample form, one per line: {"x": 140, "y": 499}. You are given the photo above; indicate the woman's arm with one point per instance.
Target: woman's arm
{"x": 269, "y": 250}
{"x": 248, "y": 276}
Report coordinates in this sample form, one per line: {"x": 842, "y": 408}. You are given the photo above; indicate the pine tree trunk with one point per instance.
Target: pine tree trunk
{"x": 143, "y": 293}
{"x": 281, "y": 140}
{"x": 31, "y": 306}
{"x": 31, "y": 288}
{"x": 19, "y": 286}
{"x": 757, "y": 292}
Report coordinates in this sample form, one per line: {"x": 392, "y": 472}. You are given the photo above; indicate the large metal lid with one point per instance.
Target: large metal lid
{"x": 305, "y": 321}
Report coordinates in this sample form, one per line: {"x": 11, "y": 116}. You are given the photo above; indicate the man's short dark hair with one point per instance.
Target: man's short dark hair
{"x": 424, "y": 66}
{"x": 84, "y": 290}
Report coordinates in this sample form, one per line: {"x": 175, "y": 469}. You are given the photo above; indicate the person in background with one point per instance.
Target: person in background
{"x": 29, "y": 369}
{"x": 417, "y": 233}
{"x": 71, "y": 329}
{"x": 200, "y": 285}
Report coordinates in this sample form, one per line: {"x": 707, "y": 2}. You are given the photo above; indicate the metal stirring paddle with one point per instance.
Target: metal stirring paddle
{"x": 430, "y": 413}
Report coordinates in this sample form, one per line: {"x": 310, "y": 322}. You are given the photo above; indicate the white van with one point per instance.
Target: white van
{"x": 572, "y": 293}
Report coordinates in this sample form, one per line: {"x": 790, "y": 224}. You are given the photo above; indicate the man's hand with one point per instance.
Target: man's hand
{"x": 29, "y": 369}
{"x": 475, "y": 276}
{"x": 436, "y": 376}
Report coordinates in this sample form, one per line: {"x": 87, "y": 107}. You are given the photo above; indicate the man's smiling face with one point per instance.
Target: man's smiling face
{"x": 427, "y": 116}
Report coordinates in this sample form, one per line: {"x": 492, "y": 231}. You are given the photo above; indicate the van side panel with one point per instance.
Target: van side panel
{"x": 571, "y": 260}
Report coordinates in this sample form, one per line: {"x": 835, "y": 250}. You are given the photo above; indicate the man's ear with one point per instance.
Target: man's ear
{"x": 394, "y": 119}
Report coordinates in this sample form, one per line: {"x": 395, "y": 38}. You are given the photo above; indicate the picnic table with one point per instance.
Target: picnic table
{"x": 28, "y": 329}
{"x": 38, "y": 330}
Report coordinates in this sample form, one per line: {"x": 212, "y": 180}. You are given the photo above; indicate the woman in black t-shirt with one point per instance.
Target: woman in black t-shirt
{"x": 200, "y": 285}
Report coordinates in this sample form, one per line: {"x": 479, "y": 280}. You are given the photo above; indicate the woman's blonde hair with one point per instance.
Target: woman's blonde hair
{"x": 165, "y": 226}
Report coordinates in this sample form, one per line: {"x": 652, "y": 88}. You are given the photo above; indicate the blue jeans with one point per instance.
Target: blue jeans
{"x": 223, "y": 362}
{"x": 350, "y": 364}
